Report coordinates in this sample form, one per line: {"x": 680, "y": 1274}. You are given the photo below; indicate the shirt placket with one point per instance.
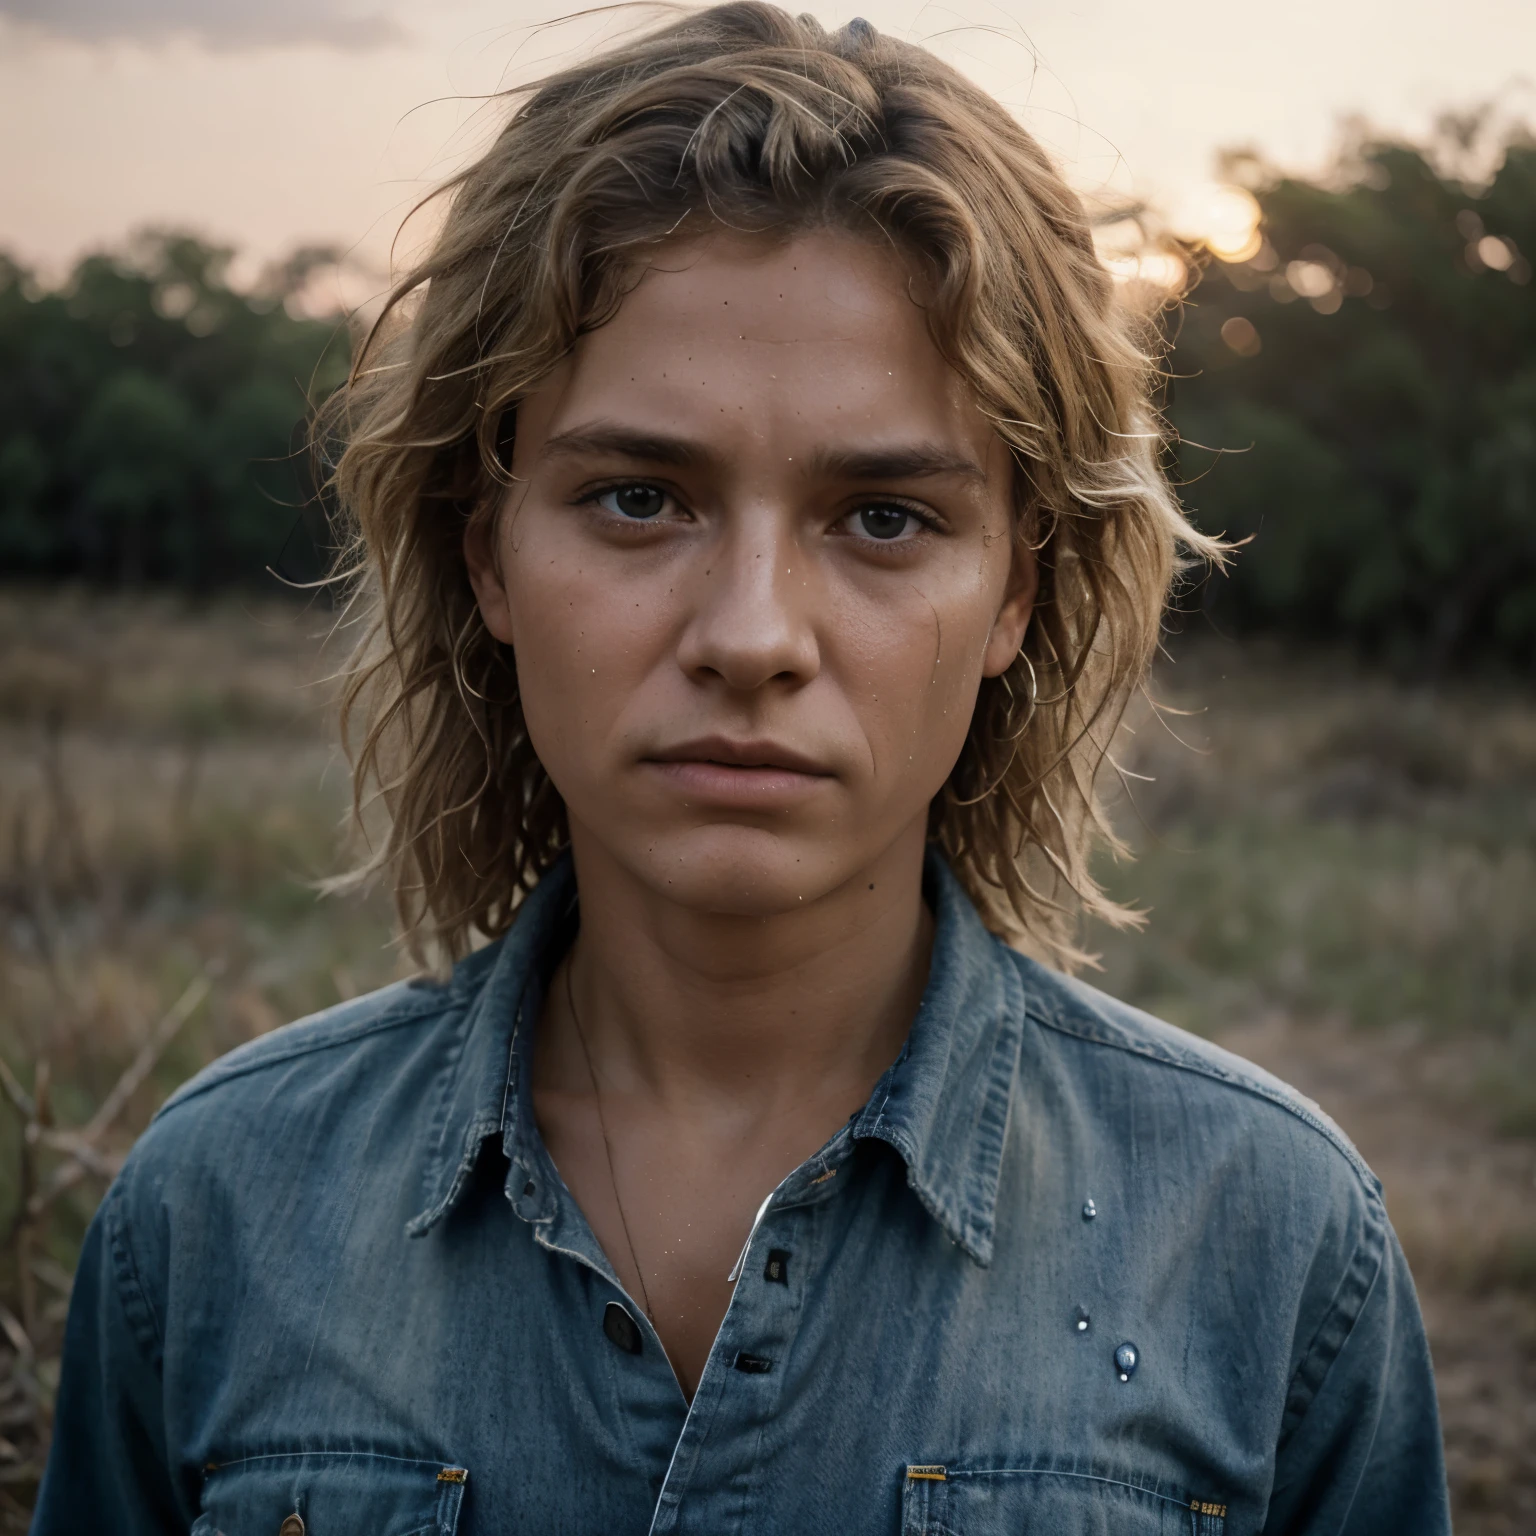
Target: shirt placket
{"x": 649, "y": 1390}
{"x": 708, "y": 1482}
{"x": 724, "y": 1439}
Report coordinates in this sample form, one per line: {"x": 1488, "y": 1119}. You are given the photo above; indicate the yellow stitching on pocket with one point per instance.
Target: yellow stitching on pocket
{"x": 831, "y": 1173}
{"x": 1201, "y": 1507}
{"x": 928, "y": 1474}
{"x": 452, "y": 1475}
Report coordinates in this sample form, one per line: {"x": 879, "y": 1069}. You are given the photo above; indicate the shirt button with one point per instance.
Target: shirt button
{"x": 621, "y": 1329}
{"x": 777, "y": 1268}
{"x": 292, "y": 1526}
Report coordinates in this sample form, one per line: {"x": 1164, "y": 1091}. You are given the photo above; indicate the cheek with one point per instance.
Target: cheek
{"x": 914, "y": 671}
{"x": 559, "y": 648}
{"x": 582, "y": 638}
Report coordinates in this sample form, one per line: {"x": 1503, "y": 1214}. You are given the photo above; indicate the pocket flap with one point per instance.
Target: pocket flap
{"x": 330, "y": 1493}
{"x": 948, "y": 1500}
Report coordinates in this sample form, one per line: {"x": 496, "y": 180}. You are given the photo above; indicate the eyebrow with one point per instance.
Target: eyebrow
{"x": 604, "y": 437}
{"x": 910, "y": 461}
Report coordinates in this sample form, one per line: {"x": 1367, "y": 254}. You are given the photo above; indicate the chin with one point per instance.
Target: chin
{"x": 735, "y": 871}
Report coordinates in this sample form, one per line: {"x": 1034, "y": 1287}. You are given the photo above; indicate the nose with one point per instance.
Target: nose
{"x": 753, "y": 622}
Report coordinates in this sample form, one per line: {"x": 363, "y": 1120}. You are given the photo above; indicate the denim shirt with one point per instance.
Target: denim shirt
{"x": 1069, "y": 1270}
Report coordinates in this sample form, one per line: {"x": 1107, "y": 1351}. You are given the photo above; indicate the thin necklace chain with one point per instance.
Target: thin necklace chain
{"x": 613, "y": 1178}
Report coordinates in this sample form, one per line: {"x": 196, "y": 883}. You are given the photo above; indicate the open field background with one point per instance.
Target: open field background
{"x": 1341, "y": 873}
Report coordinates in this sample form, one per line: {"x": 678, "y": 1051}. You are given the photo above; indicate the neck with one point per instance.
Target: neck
{"x": 689, "y": 1008}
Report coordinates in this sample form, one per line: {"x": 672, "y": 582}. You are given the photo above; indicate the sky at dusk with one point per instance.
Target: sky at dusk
{"x": 267, "y": 123}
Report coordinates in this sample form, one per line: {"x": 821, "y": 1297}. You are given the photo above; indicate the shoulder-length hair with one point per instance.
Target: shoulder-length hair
{"x": 744, "y": 116}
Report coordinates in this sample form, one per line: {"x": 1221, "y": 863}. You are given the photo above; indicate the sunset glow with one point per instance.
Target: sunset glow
{"x": 269, "y": 125}
{"x": 1224, "y": 219}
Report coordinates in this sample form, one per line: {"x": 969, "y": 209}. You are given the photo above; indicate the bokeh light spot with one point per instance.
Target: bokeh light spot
{"x": 1224, "y": 219}
{"x": 1495, "y": 253}
{"x": 1242, "y": 336}
{"x": 1311, "y": 279}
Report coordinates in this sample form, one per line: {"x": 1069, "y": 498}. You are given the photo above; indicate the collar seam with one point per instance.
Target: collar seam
{"x": 442, "y": 1117}
{"x": 291, "y": 1051}
{"x": 1214, "y": 1073}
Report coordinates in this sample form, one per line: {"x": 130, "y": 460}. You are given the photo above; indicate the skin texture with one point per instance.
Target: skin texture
{"x": 747, "y": 700}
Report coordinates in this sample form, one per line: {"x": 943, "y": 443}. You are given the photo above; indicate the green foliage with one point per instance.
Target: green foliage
{"x": 149, "y": 416}
{"x": 1369, "y": 380}
{"x": 1358, "y": 400}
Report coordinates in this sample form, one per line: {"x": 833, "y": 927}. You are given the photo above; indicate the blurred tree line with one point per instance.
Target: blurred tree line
{"x": 1359, "y": 396}
{"x": 151, "y": 417}
{"x": 1357, "y": 393}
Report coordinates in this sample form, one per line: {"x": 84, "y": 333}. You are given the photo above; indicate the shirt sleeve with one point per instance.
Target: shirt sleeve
{"x": 107, "y": 1471}
{"x": 1362, "y": 1453}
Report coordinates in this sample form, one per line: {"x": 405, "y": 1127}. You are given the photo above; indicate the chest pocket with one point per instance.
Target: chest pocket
{"x": 331, "y": 1493}
{"x": 1047, "y": 1501}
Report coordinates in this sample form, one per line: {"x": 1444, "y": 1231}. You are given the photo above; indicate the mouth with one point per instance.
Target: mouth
{"x": 740, "y": 774}
{"x": 721, "y": 752}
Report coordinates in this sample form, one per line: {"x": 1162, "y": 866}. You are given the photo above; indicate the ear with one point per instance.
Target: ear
{"x": 480, "y": 560}
{"x": 1013, "y": 617}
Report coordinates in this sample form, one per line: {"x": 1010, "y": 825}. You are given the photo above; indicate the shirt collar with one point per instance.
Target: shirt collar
{"x": 497, "y": 993}
{"x": 943, "y": 1105}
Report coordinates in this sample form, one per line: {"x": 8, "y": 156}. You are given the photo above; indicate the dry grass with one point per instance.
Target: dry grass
{"x": 167, "y": 794}
{"x": 1342, "y": 881}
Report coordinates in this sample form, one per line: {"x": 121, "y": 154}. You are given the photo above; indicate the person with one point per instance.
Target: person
{"x": 760, "y": 528}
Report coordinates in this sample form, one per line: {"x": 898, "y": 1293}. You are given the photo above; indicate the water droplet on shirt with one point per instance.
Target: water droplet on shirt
{"x": 1127, "y": 1358}
{"x": 1090, "y": 1210}
{"x": 1080, "y": 1319}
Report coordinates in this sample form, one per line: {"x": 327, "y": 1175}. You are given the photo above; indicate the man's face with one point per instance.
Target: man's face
{"x": 756, "y": 561}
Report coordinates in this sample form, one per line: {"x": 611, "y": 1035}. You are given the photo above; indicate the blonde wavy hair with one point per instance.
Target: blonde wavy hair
{"x": 745, "y": 116}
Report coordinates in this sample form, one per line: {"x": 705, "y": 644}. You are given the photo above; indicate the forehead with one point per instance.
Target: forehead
{"x": 757, "y": 344}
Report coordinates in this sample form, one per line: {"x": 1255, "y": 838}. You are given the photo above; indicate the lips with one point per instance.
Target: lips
{"x": 720, "y": 751}
{"x": 722, "y": 776}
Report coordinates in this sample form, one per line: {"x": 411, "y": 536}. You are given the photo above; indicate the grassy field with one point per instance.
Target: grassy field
{"x": 1340, "y": 874}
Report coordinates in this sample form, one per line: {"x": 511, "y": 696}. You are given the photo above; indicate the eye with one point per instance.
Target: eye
{"x": 638, "y": 501}
{"x": 887, "y": 521}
